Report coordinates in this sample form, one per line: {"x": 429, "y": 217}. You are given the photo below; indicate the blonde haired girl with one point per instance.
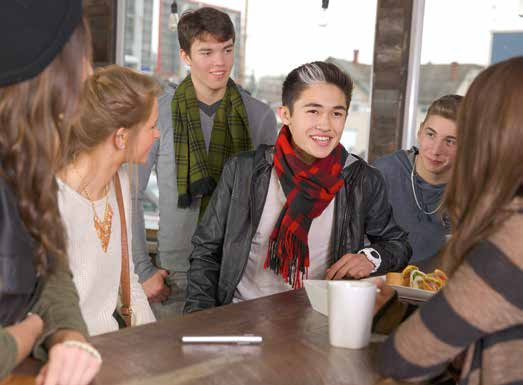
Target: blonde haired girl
{"x": 117, "y": 126}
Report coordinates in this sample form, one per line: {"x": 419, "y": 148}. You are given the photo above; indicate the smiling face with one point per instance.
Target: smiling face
{"x": 437, "y": 149}
{"x": 317, "y": 120}
{"x": 211, "y": 63}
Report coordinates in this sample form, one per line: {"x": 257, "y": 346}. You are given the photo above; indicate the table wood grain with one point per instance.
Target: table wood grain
{"x": 295, "y": 349}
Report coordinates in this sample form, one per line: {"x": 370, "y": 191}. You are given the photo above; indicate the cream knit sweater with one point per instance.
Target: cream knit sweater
{"x": 96, "y": 273}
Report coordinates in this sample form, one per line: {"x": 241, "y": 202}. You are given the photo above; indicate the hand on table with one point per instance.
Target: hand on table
{"x": 350, "y": 266}
{"x": 155, "y": 288}
{"x": 68, "y": 365}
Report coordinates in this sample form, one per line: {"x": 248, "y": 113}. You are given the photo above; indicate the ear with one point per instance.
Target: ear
{"x": 285, "y": 114}
{"x": 185, "y": 57}
{"x": 120, "y": 138}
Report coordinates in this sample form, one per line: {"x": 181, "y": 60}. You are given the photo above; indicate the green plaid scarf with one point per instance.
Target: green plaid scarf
{"x": 198, "y": 172}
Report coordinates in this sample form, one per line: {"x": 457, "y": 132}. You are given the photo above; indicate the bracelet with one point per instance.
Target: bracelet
{"x": 85, "y": 347}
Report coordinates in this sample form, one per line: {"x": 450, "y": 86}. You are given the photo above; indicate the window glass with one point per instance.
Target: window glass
{"x": 460, "y": 38}
{"x": 272, "y": 38}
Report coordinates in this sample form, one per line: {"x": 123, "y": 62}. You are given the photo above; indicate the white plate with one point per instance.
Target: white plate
{"x": 412, "y": 293}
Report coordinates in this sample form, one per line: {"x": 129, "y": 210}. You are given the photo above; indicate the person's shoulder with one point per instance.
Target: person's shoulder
{"x": 388, "y": 161}
{"x": 395, "y": 165}
{"x": 166, "y": 96}
{"x": 252, "y": 103}
{"x": 354, "y": 161}
{"x": 357, "y": 166}
{"x": 262, "y": 155}
{"x": 242, "y": 157}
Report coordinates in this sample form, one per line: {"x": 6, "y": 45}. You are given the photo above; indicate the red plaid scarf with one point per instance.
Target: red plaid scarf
{"x": 309, "y": 190}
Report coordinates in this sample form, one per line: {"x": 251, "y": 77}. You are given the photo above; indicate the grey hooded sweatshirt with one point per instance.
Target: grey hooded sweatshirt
{"x": 426, "y": 232}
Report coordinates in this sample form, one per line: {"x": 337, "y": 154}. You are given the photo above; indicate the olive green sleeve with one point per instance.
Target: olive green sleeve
{"x": 58, "y": 307}
{"x": 8, "y": 352}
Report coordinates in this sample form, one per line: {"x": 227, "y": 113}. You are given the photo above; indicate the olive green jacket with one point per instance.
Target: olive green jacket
{"x": 58, "y": 307}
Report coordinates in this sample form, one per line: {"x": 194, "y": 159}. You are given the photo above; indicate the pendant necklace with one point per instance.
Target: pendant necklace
{"x": 103, "y": 228}
{"x": 414, "y": 192}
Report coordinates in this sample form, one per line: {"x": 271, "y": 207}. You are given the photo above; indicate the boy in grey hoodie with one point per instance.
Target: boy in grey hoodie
{"x": 416, "y": 179}
{"x": 202, "y": 121}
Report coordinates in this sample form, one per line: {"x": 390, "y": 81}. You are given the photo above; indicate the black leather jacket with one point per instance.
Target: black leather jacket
{"x": 222, "y": 240}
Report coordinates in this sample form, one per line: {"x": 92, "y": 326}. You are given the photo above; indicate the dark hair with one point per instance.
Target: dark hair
{"x": 488, "y": 172}
{"x": 195, "y": 24}
{"x": 316, "y": 72}
{"x": 447, "y": 107}
{"x": 35, "y": 120}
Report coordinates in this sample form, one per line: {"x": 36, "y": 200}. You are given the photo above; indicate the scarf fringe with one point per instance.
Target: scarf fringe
{"x": 201, "y": 187}
{"x": 292, "y": 270}
{"x": 184, "y": 201}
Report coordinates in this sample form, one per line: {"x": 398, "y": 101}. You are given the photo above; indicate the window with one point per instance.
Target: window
{"x": 272, "y": 38}
{"x": 461, "y": 38}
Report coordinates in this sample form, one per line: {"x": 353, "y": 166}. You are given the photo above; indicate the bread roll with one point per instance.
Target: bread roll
{"x": 394, "y": 279}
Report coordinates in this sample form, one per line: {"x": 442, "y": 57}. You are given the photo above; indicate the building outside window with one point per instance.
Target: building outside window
{"x": 460, "y": 39}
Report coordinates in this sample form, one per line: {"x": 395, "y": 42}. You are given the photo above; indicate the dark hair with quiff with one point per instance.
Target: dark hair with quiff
{"x": 316, "y": 72}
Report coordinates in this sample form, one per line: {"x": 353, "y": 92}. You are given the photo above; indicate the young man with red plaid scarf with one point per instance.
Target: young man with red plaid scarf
{"x": 300, "y": 209}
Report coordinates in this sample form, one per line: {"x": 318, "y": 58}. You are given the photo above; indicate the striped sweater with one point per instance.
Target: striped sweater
{"x": 479, "y": 313}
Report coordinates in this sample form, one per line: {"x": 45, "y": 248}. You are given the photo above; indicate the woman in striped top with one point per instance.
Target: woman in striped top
{"x": 475, "y": 324}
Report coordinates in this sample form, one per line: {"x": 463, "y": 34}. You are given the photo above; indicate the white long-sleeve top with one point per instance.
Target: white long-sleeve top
{"x": 257, "y": 281}
{"x": 96, "y": 273}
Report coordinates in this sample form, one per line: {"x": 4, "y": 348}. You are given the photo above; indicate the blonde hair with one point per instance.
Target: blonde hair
{"x": 112, "y": 97}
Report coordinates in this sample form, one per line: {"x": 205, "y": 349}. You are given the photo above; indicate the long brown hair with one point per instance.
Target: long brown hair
{"x": 488, "y": 170}
{"x": 34, "y": 123}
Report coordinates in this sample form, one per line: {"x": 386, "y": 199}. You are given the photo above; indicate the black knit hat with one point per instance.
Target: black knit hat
{"x": 32, "y": 33}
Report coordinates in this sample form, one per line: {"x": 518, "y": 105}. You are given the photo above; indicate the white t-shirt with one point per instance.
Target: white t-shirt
{"x": 258, "y": 282}
{"x": 96, "y": 273}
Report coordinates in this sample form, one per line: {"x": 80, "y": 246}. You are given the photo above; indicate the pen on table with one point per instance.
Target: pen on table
{"x": 239, "y": 339}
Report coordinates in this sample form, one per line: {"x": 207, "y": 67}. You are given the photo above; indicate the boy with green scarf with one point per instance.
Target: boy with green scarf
{"x": 203, "y": 121}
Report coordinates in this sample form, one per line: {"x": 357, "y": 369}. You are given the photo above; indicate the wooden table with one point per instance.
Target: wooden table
{"x": 295, "y": 349}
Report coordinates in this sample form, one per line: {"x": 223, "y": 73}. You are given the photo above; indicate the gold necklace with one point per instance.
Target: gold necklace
{"x": 103, "y": 228}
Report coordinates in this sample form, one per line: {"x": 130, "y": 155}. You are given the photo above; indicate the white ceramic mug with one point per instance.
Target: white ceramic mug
{"x": 351, "y": 305}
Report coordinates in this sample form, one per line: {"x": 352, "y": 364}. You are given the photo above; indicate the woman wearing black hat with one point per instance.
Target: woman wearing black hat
{"x": 45, "y": 58}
